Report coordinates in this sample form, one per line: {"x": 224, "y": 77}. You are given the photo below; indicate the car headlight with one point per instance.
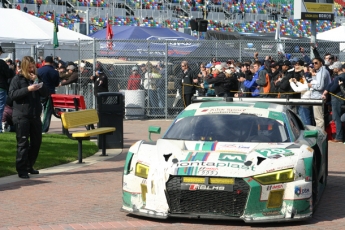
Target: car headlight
{"x": 142, "y": 170}
{"x": 282, "y": 176}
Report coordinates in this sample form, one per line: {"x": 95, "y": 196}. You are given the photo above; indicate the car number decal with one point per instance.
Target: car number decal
{"x": 272, "y": 152}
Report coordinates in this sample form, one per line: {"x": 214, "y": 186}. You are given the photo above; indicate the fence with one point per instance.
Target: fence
{"x": 117, "y": 58}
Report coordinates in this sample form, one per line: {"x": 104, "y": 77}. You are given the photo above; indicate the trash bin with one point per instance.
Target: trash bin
{"x": 134, "y": 104}
{"x": 110, "y": 107}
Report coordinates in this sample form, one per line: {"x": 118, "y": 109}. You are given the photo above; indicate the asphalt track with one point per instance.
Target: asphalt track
{"x": 88, "y": 195}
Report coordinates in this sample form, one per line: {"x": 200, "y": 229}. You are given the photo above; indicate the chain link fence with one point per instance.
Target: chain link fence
{"x": 154, "y": 93}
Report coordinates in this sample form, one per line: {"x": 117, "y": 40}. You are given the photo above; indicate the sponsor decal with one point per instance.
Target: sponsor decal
{"x": 204, "y": 187}
{"x": 274, "y": 187}
{"x": 301, "y": 191}
{"x": 271, "y": 152}
{"x": 275, "y": 156}
{"x": 288, "y": 154}
{"x": 208, "y": 171}
{"x": 233, "y": 157}
{"x": 271, "y": 213}
{"x": 214, "y": 164}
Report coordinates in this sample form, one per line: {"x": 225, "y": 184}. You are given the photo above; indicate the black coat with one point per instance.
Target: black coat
{"x": 4, "y": 75}
{"x": 186, "y": 80}
{"x": 283, "y": 86}
{"x": 25, "y": 103}
{"x": 218, "y": 83}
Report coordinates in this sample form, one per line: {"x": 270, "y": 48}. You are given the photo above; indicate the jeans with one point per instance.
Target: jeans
{"x": 336, "y": 114}
{"x": 153, "y": 102}
{"x": 3, "y": 96}
{"x": 161, "y": 99}
{"x": 305, "y": 113}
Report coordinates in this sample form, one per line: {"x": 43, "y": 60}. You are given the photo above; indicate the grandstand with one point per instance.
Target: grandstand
{"x": 258, "y": 16}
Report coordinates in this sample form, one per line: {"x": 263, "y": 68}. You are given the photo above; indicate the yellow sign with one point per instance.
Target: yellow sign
{"x": 319, "y": 7}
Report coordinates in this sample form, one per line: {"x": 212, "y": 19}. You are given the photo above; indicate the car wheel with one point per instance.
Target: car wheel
{"x": 315, "y": 182}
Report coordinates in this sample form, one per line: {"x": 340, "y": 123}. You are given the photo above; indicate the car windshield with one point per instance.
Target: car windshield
{"x": 228, "y": 128}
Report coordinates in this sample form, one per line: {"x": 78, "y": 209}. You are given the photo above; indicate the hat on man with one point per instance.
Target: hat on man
{"x": 70, "y": 67}
{"x": 336, "y": 65}
{"x": 300, "y": 62}
{"x": 142, "y": 65}
{"x": 134, "y": 68}
{"x": 219, "y": 68}
{"x": 228, "y": 71}
{"x": 287, "y": 63}
{"x": 231, "y": 66}
{"x": 209, "y": 65}
{"x": 273, "y": 64}
{"x": 49, "y": 59}
{"x": 82, "y": 65}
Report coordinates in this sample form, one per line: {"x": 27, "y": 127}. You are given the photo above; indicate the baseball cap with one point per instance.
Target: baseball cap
{"x": 287, "y": 63}
{"x": 336, "y": 65}
{"x": 142, "y": 65}
{"x": 134, "y": 68}
{"x": 229, "y": 71}
{"x": 71, "y": 67}
{"x": 274, "y": 64}
{"x": 209, "y": 65}
{"x": 82, "y": 65}
{"x": 219, "y": 68}
{"x": 49, "y": 59}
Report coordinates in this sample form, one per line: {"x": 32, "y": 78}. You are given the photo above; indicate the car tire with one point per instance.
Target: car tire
{"x": 315, "y": 183}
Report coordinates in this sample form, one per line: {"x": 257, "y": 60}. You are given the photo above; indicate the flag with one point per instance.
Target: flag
{"x": 109, "y": 35}
{"x": 56, "y": 30}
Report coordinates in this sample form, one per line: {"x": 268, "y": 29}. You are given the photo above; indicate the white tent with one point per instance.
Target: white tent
{"x": 23, "y": 28}
{"x": 335, "y": 35}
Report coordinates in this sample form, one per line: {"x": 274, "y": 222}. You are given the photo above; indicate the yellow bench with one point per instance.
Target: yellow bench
{"x": 71, "y": 120}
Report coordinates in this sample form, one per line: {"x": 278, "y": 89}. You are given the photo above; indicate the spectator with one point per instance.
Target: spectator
{"x": 50, "y": 78}
{"x": 301, "y": 85}
{"x": 218, "y": 80}
{"x": 38, "y": 5}
{"x": 188, "y": 78}
{"x": 25, "y": 8}
{"x": 71, "y": 75}
{"x": 283, "y": 84}
{"x": 7, "y": 122}
{"x": 321, "y": 79}
{"x": 4, "y": 78}
{"x": 337, "y": 103}
{"x": 150, "y": 86}
{"x": 17, "y": 6}
{"x": 264, "y": 79}
{"x": 250, "y": 83}
{"x": 230, "y": 82}
{"x": 274, "y": 76}
{"x": 134, "y": 79}
{"x": 27, "y": 110}
{"x": 100, "y": 81}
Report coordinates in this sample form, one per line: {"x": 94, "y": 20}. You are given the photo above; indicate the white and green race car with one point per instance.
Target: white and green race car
{"x": 253, "y": 161}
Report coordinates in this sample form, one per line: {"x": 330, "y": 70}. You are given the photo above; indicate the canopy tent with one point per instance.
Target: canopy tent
{"x": 336, "y": 35}
{"x": 138, "y": 45}
{"x": 23, "y": 28}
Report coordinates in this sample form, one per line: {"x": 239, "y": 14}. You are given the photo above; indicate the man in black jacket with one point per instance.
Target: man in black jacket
{"x": 4, "y": 76}
{"x": 188, "y": 78}
{"x": 283, "y": 84}
{"x": 51, "y": 79}
{"x": 218, "y": 81}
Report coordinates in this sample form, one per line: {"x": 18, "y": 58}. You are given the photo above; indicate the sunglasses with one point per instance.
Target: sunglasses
{"x": 316, "y": 63}
{"x": 183, "y": 66}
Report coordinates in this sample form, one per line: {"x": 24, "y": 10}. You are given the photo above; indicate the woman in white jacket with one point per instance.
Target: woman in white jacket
{"x": 302, "y": 87}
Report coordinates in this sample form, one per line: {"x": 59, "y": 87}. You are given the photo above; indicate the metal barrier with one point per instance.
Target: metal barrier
{"x": 159, "y": 98}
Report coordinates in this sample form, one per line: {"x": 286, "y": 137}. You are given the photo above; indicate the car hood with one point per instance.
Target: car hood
{"x": 230, "y": 159}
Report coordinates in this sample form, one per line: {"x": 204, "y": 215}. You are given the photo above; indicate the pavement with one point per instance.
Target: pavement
{"x": 88, "y": 195}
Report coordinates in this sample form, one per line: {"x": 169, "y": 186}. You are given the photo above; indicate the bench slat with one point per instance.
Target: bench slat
{"x": 93, "y": 132}
{"x": 79, "y": 118}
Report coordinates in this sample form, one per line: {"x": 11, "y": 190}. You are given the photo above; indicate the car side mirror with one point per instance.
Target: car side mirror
{"x": 311, "y": 133}
{"x": 154, "y": 129}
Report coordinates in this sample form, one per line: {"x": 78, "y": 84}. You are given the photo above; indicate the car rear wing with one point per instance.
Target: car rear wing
{"x": 281, "y": 101}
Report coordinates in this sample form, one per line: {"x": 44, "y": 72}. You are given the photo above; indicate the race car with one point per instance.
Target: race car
{"x": 245, "y": 160}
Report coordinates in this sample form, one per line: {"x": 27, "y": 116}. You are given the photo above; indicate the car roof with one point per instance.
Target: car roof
{"x": 261, "y": 109}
